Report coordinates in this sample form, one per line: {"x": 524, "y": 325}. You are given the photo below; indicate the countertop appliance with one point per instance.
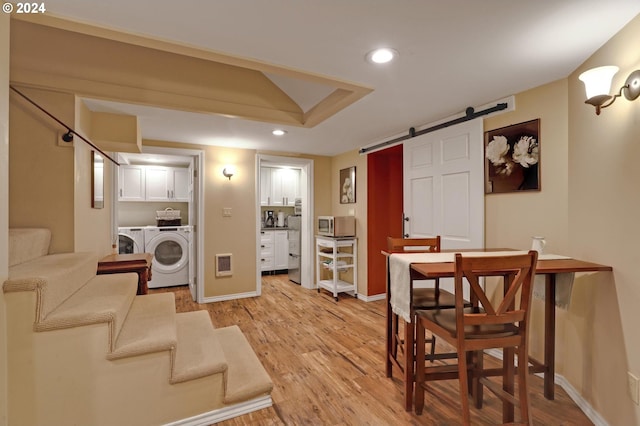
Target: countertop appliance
{"x": 269, "y": 219}
{"x": 294, "y": 236}
{"x": 171, "y": 249}
{"x": 336, "y": 226}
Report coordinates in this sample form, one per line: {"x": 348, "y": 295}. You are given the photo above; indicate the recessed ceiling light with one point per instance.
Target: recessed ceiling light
{"x": 382, "y": 56}
{"x": 279, "y": 132}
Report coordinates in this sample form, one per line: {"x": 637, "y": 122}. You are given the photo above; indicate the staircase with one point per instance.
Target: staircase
{"x": 83, "y": 349}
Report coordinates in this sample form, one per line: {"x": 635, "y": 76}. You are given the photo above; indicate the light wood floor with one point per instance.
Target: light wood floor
{"x": 326, "y": 360}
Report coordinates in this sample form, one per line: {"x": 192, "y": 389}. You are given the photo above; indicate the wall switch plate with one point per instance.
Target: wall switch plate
{"x": 226, "y": 211}
{"x": 634, "y": 387}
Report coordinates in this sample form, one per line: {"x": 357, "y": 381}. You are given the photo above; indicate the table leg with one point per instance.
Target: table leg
{"x": 549, "y": 335}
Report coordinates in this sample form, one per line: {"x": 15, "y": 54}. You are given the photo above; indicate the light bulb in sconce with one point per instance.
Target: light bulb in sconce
{"x": 597, "y": 83}
{"x": 228, "y": 171}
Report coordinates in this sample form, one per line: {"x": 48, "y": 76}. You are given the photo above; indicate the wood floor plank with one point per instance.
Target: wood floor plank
{"x": 326, "y": 360}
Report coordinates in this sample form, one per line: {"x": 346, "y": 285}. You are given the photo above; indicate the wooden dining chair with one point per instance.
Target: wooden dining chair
{"x": 473, "y": 329}
{"x": 401, "y": 345}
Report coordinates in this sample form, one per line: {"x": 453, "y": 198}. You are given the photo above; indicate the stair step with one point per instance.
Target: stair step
{"x": 54, "y": 277}
{"x": 246, "y": 377}
{"x": 26, "y": 244}
{"x": 105, "y": 298}
{"x": 198, "y": 353}
{"x": 149, "y": 327}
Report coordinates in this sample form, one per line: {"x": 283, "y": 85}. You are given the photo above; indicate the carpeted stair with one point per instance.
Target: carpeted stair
{"x": 84, "y": 349}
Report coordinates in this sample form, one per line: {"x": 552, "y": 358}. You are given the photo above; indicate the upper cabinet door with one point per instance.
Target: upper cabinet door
{"x": 181, "y": 184}
{"x": 265, "y": 186}
{"x": 277, "y": 193}
{"x": 290, "y": 186}
{"x": 159, "y": 183}
{"x": 132, "y": 183}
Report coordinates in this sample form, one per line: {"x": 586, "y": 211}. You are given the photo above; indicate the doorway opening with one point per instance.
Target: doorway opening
{"x": 306, "y": 212}
{"x": 140, "y": 212}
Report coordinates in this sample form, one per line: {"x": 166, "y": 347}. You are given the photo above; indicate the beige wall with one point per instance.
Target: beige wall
{"x": 511, "y": 219}
{"x": 601, "y": 336}
{"x": 359, "y": 209}
{"x": 236, "y": 234}
{"x": 88, "y": 236}
{"x": 41, "y": 173}
{"x": 4, "y": 203}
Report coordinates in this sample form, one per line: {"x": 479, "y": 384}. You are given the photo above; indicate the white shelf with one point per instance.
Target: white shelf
{"x": 342, "y": 258}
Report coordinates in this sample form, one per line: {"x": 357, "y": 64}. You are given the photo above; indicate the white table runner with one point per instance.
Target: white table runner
{"x": 399, "y": 275}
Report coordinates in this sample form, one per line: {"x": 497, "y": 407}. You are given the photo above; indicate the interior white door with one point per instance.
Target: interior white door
{"x": 443, "y": 186}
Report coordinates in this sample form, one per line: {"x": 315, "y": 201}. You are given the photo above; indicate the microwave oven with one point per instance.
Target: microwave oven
{"x": 336, "y": 226}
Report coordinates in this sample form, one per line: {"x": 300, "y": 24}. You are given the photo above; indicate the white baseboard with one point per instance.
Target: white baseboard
{"x": 226, "y": 413}
{"x": 229, "y": 297}
{"x": 373, "y": 298}
{"x": 586, "y": 408}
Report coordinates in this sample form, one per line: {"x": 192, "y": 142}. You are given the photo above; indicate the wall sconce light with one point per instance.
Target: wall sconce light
{"x": 597, "y": 83}
{"x": 228, "y": 171}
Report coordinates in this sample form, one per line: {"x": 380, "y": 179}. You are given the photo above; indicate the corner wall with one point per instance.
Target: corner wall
{"x": 601, "y": 336}
{"x": 46, "y": 198}
{"x": 511, "y": 219}
{"x": 4, "y": 203}
{"x": 357, "y": 209}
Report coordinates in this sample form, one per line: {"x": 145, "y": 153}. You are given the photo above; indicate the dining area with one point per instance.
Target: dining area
{"x": 476, "y": 304}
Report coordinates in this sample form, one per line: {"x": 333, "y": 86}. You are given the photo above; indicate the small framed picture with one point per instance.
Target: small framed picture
{"x": 348, "y": 185}
{"x": 512, "y": 158}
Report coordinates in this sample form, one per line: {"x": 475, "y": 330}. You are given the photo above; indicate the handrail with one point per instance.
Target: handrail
{"x": 69, "y": 129}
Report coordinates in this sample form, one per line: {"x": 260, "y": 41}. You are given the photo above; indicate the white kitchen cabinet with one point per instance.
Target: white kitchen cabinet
{"x": 274, "y": 250}
{"x": 131, "y": 181}
{"x": 154, "y": 183}
{"x": 267, "y": 250}
{"x": 279, "y": 186}
{"x": 337, "y": 265}
{"x": 265, "y": 185}
{"x": 281, "y": 250}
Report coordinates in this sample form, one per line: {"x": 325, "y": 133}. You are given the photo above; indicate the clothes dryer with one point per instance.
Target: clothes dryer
{"x": 170, "y": 247}
{"x": 130, "y": 240}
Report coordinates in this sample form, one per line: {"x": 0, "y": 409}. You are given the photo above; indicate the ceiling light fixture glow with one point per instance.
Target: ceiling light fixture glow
{"x": 279, "y": 132}
{"x": 382, "y": 56}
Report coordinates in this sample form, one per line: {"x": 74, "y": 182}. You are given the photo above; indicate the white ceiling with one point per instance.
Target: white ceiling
{"x": 453, "y": 54}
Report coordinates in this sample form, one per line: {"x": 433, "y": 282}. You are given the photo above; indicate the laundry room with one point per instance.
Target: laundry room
{"x": 154, "y": 208}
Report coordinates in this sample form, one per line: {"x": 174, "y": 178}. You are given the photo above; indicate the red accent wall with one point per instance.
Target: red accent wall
{"x": 384, "y": 217}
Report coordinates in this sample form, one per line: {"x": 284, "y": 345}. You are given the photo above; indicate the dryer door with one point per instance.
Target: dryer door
{"x": 127, "y": 245}
{"x": 170, "y": 252}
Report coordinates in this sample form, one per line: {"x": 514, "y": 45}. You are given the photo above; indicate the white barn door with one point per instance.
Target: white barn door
{"x": 443, "y": 187}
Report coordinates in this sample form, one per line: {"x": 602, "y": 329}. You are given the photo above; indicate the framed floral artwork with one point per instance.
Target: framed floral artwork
{"x": 512, "y": 158}
{"x": 348, "y": 185}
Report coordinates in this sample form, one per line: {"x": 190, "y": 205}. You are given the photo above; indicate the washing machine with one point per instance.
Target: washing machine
{"x": 130, "y": 240}
{"x": 170, "y": 247}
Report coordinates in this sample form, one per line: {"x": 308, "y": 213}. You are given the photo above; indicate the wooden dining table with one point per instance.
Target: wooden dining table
{"x": 550, "y": 268}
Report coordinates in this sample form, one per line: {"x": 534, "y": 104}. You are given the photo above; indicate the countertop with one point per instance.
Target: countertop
{"x": 276, "y": 228}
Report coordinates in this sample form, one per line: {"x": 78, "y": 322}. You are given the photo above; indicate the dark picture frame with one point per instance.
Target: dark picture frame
{"x": 348, "y": 185}
{"x": 512, "y": 158}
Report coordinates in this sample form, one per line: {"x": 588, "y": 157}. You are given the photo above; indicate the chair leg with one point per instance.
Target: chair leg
{"x": 523, "y": 385}
{"x": 464, "y": 386}
{"x": 409, "y": 363}
{"x": 477, "y": 390}
{"x": 508, "y": 384}
{"x": 420, "y": 360}
{"x": 433, "y": 347}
